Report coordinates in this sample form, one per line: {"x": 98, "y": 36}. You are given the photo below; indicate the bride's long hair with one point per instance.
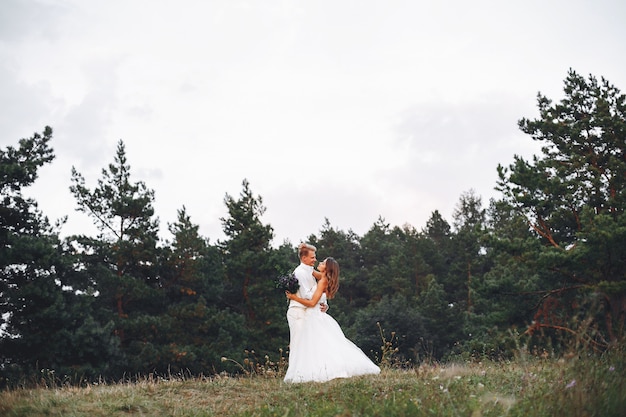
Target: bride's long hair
{"x": 332, "y": 274}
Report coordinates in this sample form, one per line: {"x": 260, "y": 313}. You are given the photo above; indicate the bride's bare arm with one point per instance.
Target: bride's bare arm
{"x": 321, "y": 287}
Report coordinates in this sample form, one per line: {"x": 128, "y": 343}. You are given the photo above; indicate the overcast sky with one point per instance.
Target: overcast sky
{"x": 346, "y": 110}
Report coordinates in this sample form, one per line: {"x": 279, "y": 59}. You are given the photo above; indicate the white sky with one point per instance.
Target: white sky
{"x": 346, "y": 110}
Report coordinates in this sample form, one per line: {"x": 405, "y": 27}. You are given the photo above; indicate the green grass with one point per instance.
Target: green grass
{"x": 526, "y": 388}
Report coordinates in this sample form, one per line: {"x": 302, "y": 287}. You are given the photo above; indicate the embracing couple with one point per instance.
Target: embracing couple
{"x": 318, "y": 349}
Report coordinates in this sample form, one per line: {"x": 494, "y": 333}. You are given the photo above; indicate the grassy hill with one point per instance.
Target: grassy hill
{"x": 525, "y": 387}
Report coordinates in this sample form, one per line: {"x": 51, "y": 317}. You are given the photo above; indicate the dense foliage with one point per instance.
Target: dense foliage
{"x": 544, "y": 266}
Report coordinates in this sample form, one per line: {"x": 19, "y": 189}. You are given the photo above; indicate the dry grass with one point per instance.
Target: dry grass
{"x": 529, "y": 388}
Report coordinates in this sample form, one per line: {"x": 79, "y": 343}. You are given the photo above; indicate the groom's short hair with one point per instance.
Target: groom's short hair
{"x": 304, "y": 249}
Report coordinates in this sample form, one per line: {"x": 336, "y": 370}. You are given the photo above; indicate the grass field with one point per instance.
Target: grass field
{"x": 524, "y": 387}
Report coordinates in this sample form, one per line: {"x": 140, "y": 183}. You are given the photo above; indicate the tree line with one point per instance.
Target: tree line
{"x": 543, "y": 266}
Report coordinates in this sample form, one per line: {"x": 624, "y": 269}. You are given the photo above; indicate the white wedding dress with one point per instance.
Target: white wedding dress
{"x": 322, "y": 352}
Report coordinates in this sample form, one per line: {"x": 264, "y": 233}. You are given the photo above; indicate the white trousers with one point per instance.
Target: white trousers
{"x": 295, "y": 318}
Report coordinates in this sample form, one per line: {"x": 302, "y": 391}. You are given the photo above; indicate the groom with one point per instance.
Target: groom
{"x": 304, "y": 274}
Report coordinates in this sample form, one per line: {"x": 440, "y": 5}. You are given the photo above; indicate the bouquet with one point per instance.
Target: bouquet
{"x": 288, "y": 282}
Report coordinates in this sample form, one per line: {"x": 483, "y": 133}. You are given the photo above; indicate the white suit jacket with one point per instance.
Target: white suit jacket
{"x": 308, "y": 284}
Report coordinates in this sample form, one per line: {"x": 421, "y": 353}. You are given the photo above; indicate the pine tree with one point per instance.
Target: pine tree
{"x": 573, "y": 198}
{"x": 200, "y": 331}
{"x": 249, "y": 284}
{"x": 123, "y": 260}
{"x": 47, "y": 322}
{"x": 468, "y": 256}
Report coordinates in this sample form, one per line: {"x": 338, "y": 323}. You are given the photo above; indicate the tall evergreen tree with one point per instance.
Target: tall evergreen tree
{"x": 47, "y": 324}
{"x": 394, "y": 261}
{"x": 468, "y": 256}
{"x": 123, "y": 260}
{"x": 439, "y": 232}
{"x": 249, "y": 284}
{"x": 505, "y": 294}
{"x": 199, "y": 330}
{"x": 573, "y": 198}
{"x": 377, "y": 247}
{"x": 29, "y": 294}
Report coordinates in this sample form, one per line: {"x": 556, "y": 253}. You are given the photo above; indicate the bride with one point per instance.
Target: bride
{"x": 322, "y": 352}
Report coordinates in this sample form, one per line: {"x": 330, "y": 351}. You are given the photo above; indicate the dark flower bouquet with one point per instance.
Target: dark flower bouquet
{"x": 288, "y": 282}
